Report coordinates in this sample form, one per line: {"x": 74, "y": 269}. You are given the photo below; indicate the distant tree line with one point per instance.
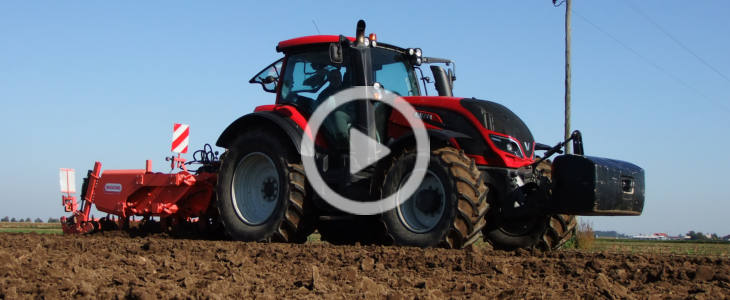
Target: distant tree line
{"x": 699, "y": 236}
{"x": 28, "y": 220}
{"x": 611, "y": 234}
{"x": 692, "y": 235}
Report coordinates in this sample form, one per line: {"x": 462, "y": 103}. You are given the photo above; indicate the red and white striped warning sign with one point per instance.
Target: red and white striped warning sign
{"x": 180, "y": 134}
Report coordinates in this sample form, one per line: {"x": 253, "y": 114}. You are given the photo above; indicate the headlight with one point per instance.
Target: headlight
{"x": 507, "y": 145}
{"x": 416, "y": 56}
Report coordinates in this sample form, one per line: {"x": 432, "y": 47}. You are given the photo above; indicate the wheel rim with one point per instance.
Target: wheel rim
{"x": 424, "y": 209}
{"x": 255, "y": 188}
{"x": 519, "y": 227}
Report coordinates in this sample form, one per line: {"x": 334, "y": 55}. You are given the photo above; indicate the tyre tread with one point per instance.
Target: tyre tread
{"x": 559, "y": 230}
{"x": 471, "y": 192}
{"x": 297, "y": 223}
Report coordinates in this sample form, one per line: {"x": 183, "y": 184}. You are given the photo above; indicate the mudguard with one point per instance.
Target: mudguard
{"x": 265, "y": 118}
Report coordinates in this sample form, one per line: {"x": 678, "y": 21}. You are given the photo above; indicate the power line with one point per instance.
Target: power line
{"x": 631, "y": 5}
{"x": 650, "y": 62}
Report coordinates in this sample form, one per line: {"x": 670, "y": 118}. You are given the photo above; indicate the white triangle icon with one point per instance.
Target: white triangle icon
{"x": 364, "y": 151}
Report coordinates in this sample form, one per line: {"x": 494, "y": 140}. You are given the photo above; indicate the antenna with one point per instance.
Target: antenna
{"x": 315, "y": 26}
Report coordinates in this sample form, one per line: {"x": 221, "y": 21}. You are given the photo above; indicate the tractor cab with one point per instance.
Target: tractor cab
{"x": 317, "y": 67}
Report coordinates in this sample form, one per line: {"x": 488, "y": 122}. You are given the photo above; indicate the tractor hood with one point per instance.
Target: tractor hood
{"x": 498, "y": 118}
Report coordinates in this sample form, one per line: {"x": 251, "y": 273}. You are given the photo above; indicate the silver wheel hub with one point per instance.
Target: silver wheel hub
{"x": 255, "y": 188}
{"x": 422, "y": 212}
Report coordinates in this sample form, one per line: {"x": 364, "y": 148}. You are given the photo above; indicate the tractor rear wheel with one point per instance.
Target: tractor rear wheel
{"x": 446, "y": 210}
{"x": 262, "y": 190}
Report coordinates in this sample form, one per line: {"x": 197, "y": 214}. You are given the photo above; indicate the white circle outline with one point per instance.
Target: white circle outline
{"x": 315, "y": 122}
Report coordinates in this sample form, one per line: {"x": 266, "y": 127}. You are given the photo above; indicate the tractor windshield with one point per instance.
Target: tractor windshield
{"x": 310, "y": 77}
{"x": 393, "y": 72}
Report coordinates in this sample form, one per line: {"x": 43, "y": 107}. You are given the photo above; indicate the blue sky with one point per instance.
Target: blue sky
{"x": 85, "y": 81}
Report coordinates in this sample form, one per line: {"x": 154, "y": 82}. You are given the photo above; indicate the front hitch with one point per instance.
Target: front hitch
{"x": 577, "y": 139}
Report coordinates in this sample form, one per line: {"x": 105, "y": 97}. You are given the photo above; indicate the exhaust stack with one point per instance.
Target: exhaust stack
{"x": 360, "y": 33}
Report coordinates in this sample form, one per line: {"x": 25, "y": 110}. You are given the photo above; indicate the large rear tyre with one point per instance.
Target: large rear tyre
{"x": 262, "y": 190}
{"x": 448, "y": 208}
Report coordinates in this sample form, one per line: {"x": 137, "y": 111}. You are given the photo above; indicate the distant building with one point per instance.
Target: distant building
{"x": 610, "y": 234}
{"x": 661, "y": 236}
{"x": 653, "y": 236}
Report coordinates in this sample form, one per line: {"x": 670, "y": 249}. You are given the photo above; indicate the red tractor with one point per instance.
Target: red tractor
{"x": 483, "y": 178}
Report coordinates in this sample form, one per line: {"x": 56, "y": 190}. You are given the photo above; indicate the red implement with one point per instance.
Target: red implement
{"x": 124, "y": 193}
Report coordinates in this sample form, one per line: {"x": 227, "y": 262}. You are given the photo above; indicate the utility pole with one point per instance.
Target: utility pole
{"x": 567, "y": 73}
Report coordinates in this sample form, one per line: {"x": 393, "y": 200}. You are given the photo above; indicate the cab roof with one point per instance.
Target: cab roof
{"x": 309, "y": 40}
{"x": 317, "y": 39}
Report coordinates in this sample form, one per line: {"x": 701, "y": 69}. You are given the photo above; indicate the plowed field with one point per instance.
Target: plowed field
{"x": 113, "y": 266}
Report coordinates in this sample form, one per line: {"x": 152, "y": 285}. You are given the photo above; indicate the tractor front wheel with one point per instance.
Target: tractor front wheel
{"x": 559, "y": 230}
{"x": 547, "y": 232}
{"x": 513, "y": 233}
{"x": 543, "y": 232}
{"x": 262, "y": 190}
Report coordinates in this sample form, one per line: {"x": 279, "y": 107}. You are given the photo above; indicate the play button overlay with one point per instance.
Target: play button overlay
{"x": 364, "y": 150}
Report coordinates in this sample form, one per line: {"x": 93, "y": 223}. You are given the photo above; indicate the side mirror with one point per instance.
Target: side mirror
{"x": 442, "y": 81}
{"x": 452, "y": 78}
{"x": 269, "y": 83}
{"x": 336, "y": 56}
{"x": 269, "y": 79}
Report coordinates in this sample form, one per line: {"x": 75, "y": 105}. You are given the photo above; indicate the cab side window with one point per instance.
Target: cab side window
{"x": 269, "y": 77}
{"x": 309, "y": 79}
